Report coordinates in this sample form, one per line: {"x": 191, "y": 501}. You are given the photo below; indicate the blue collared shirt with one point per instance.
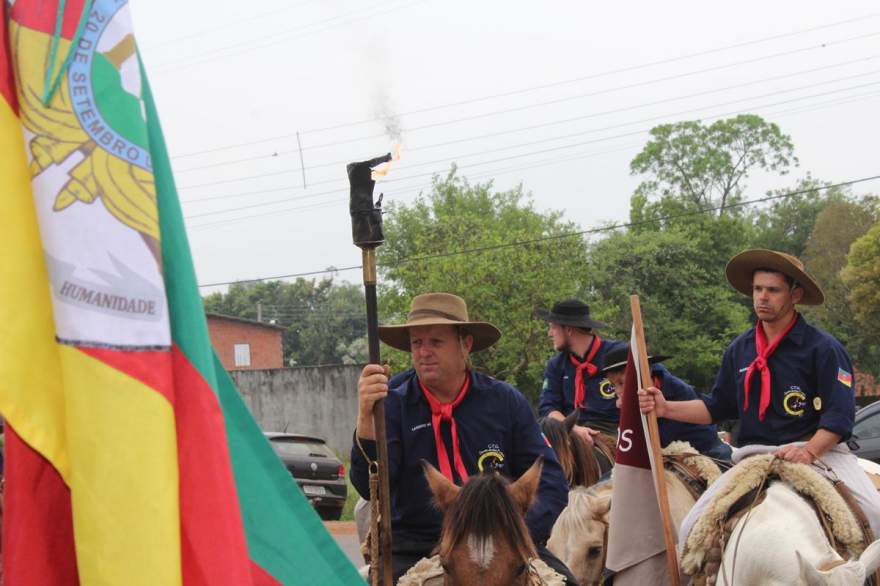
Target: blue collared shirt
{"x": 558, "y": 391}
{"x": 495, "y": 425}
{"x": 701, "y": 437}
{"x": 811, "y": 388}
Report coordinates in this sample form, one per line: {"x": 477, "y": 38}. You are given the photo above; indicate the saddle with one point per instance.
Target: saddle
{"x": 841, "y": 518}
{"x": 695, "y": 470}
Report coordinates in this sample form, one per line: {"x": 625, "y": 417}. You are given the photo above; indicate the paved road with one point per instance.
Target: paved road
{"x": 345, "y": 534}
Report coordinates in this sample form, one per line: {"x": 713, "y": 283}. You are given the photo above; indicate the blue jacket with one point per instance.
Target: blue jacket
{"x": 558, "y": 390}
{"x": 494, "y": 419}
{"x": 811, "y": 388}
{"x": 701, "y": 437}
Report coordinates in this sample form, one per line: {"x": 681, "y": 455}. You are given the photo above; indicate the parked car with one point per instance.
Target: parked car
{"x": 865, "y": 440}
{"x": 316, "y": 469}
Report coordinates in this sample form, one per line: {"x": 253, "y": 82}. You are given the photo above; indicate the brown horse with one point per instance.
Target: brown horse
{"x": 583, "y": 465}
{"x": 484, "y": 539}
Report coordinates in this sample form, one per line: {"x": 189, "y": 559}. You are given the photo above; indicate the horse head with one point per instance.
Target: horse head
{"x": 580, "y": 535}
{"x": 484, "y": 540}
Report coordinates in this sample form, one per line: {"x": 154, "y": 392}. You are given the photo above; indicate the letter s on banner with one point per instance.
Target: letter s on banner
{"x": 624, "y": 440}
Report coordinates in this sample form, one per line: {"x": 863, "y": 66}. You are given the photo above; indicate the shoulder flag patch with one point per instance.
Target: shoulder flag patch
{"x": 546, "y": 441}
{"x": 844, "y": 377}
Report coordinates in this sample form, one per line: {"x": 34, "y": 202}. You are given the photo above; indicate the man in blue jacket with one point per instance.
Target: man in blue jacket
{"x": 462, "y": 422}
{"x": 789, "y": 383}
{"x": 573, "y": 378}
{"x": 702, "y": 437}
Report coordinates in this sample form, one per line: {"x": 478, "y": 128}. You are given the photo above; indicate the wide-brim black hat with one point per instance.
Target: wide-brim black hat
{"x": 570, "y": 312}
{"x": 616, "y": 358}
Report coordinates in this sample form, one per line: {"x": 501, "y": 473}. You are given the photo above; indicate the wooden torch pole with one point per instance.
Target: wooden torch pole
{"x": 366, "y": 225}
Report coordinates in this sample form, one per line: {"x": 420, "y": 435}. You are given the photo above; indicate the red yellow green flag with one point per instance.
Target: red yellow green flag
{"x": 131, "y": 458}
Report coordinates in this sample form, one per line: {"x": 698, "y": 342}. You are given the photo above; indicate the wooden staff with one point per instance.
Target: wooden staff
{"x": 644, "y": 371}
{"x": 366, "y": 229}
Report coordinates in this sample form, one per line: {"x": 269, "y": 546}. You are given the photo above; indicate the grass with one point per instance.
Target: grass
{"x": 351, "y": 498}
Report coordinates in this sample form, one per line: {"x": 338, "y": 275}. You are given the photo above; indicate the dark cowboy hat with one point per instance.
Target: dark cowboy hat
{"x": 570, "y": 312}
{"x": 432, "y": 309}
{"x": 742, "y": 267}
{"x": 616, "y": 358}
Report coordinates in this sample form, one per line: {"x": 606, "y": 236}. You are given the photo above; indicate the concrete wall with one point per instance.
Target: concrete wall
{"x": 313, "y": 400}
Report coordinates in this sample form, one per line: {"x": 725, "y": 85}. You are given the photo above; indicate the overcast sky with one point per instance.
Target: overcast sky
{"x": 558, "y": 96}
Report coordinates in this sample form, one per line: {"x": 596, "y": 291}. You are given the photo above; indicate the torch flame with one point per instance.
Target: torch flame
{"x": 382, "y": 170}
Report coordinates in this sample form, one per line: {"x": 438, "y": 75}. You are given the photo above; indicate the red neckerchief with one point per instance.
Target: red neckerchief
{"x": 441, "y": 412}
{"x": 658, "y": 382}
{"x": 765, "y": 350}
{"x": 580, "y": 388}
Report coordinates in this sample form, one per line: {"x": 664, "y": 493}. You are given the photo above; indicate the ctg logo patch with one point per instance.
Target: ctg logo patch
{"x": 491, "y": 458}
{"x": 606, "y": 389}
{"x": 794, "y": 402}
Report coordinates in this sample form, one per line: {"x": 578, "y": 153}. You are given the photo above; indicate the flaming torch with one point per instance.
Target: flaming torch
{"x": 366, "y": 231}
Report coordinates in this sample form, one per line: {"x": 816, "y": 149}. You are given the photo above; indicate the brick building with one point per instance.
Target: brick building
{"x": 244, "y": 344}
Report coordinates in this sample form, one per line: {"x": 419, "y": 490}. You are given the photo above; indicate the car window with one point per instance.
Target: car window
{"x": 868, "y": 427}
{"x": 298, "y": 447}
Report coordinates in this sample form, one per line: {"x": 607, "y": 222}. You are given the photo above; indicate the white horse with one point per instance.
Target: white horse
{"x": 781, "y": 543}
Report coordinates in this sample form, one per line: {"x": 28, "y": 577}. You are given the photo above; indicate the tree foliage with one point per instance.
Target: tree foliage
{"x": 840, "y": 223}
{"x": 322, "y": 319}
{"x": 705, "y": 166}
{"x": 788, "y": 222}
{"x": 862, "y": 277}
{"x": 502, "y": 284}
{"x": 688, "y": 309}
{"x": 506, "y": 258}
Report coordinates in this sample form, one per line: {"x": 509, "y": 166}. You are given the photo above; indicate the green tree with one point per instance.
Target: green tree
{"x": 862, "y": 277}
{"x": 705, "y": 166}
{"x": 321, "y": 318}
{"x": 688, "y": 309}
{"x": 502, "y": 284}
{"x": 839, "y": 224}
{"x": 787, "y": 223}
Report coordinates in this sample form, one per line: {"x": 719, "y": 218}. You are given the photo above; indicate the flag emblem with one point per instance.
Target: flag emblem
{"x": 844, "y": 377}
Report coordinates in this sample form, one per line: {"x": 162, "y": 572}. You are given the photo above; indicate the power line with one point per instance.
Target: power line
{"x": 238, "y": 23}
{"x": 530, "y": 153}
{"x": 420, "y": 186}
{"x": 556, "y": 237}
{"x": 496, "y": 172}
{"x": 552, "y": 84}
{"x": 247, "y": 46}
{"x": 548, "y": 124}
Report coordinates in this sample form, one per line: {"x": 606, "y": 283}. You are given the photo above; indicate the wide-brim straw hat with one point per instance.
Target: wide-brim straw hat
{"x": 742, "y": 267}
{"x": 434, "y": 309}
{"x": 570, "y": 312}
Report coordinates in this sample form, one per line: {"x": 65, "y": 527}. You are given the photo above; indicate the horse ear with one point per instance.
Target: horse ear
{"x": 525, "y": 488}
{"x": 445, "y": 492}
{"x": 571, "y": 419}
{"x": 603, "y": 505}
